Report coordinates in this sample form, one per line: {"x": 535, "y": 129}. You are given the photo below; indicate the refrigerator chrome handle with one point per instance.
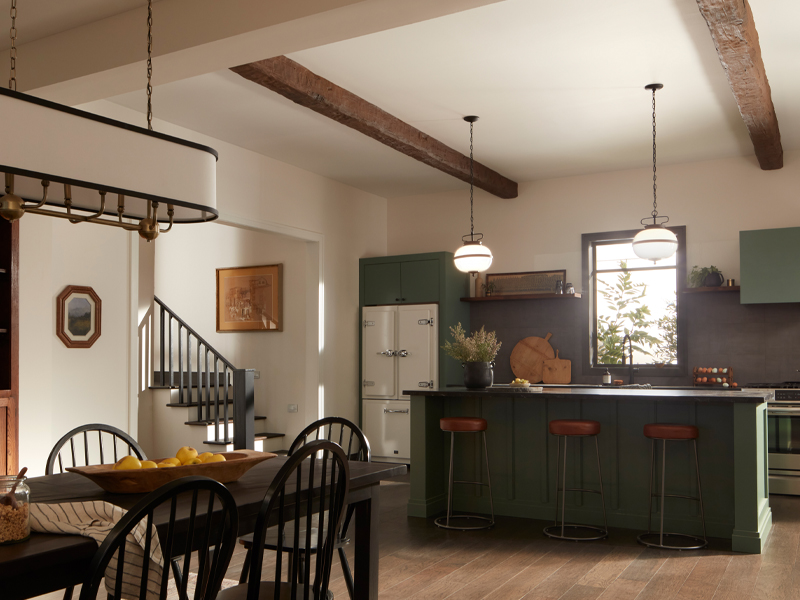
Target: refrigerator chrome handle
{"x": 401, "y": 353}
{"x": 389, "y": 353}
{"x": 395, "y": 410}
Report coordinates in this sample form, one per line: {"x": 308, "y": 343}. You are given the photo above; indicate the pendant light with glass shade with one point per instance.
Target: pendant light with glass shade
{"x": 473, "y": 257}
{"x": 655, "y": 242}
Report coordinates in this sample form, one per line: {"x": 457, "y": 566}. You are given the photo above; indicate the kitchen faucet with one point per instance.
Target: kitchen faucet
{"x": 630, "y": 357}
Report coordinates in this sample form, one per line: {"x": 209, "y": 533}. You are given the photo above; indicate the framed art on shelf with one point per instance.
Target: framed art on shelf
{"x": 532, "y": 282}
{"x": 250, "y": 298}
{"x": 78, "y": 310}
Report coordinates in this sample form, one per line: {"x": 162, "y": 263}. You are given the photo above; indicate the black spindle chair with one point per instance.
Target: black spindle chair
{"x": 95, "y": 440}
{"x": 210, "y": 529}
{"x": 356, "y": 447}
{"x": 306, "y": 502}
{"x": 90, "y": 438}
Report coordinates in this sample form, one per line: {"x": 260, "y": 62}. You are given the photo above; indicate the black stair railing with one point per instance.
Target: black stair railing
{"x": 212, "y": 407}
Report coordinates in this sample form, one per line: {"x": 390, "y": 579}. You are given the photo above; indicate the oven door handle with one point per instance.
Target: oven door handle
{"x": 785, "y": 411}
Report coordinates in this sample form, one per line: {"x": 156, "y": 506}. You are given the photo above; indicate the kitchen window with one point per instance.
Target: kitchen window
{"x": 630, "y": 295}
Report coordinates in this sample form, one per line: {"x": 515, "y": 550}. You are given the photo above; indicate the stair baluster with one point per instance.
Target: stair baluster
{"x": 243, "y": 381}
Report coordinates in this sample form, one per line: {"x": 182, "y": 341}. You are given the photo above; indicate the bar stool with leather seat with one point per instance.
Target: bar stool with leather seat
{"x": 465, "y": 425}
{"x": 575, "y": 428}
{"x": 673, "y": 432}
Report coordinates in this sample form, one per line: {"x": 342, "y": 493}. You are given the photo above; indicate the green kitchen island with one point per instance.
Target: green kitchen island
{"x": 522, "y": 456}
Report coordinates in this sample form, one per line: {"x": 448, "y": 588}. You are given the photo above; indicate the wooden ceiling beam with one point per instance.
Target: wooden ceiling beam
{"x": 734, "y": 33}
{"x": 293, "y": 81}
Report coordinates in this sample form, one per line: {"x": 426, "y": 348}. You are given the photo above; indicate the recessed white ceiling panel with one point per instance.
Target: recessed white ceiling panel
{"x": 559, "y": 87}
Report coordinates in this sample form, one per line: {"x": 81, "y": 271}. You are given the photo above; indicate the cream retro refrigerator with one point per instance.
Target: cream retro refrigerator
{"x": 399, "y": 352}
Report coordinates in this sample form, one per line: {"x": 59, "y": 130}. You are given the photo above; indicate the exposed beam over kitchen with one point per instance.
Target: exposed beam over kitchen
{"x": 734, "y": 33}
{"x": 298, "y": 84}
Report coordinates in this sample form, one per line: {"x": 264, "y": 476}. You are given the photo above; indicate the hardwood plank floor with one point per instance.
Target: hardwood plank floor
{"x": 514, "y": 560}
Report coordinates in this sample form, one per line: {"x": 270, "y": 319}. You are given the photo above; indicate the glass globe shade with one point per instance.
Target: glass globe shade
{"x": 473, "y": 257}
{"x": 654, "y": 243}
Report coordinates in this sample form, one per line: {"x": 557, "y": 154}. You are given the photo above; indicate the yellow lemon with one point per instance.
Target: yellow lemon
{"x": 128, "y": 462}
{"x": 205, "y": 456}
{"x": 171, "y": 461}
{"x": 149, "y": 464}
{"x": 185, "y": 453}
{"x": 165, "y": 465}
{"x": 215, "y": 458}
{"x": 193, "y": 461}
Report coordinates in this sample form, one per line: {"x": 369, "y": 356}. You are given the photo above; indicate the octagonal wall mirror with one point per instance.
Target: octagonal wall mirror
{"x": 78, "y": 316}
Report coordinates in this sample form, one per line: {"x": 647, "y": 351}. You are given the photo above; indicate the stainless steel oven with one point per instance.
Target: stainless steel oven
{"x": 783, "y": 437}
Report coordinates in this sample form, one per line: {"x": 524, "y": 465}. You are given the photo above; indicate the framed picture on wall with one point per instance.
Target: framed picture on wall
{"x": 250, "y": 298}
{"x": 78, "y": 316}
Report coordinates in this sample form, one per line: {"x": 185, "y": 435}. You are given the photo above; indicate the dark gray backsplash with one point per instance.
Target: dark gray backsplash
{"x": 760, "y": 341}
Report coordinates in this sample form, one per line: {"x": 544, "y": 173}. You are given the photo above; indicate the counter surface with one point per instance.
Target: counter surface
{"x": 657, "y": 394}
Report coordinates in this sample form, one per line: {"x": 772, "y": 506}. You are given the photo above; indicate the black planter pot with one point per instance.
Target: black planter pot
{"x": 478, "y": 375}
{"x": 713, "y": 280}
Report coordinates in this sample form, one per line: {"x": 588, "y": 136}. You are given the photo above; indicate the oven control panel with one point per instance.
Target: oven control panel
{"x": 787, "y": 395}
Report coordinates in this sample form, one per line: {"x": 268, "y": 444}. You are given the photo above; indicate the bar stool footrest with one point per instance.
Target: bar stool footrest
{"x": 442, "y": 522}
{"x": 554, "y": 531}
{"x": 646, "y": 540}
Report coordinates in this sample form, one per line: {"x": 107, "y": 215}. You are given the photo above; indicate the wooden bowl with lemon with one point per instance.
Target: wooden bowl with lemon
{"x": 132, "y": 476}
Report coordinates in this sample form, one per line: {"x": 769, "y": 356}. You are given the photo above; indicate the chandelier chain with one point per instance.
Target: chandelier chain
{"x": 12, "y": 81}
{"x": 471, "y": 183}
{"x": 149, "y": 64}
{"x": 655, "y": 205}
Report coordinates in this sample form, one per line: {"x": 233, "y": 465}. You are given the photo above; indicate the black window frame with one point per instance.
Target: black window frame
{"x": 643, "y": 371}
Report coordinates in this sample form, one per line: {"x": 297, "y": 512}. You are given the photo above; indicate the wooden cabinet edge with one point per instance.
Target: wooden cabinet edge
{"x": 521, "y": 297}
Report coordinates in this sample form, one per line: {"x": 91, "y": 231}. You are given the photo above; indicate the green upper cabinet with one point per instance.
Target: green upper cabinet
{"x": 408, "y": 282}
{"x": 768, "y": 265}
{"x": 382, "y": 284}
{"x": 419, "y": 281}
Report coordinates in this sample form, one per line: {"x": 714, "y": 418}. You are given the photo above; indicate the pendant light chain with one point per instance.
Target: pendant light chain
{"x": 12, "y": 81}
{"x": 471, "y": 184}
{"x": 149, "y": 64}
{"x": 655, "y": 205}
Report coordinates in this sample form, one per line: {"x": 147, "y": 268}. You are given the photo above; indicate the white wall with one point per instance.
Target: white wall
{"x": 185, "y": 280}
{"x": 60, "y": 387}
{"x": 541, "y": 229}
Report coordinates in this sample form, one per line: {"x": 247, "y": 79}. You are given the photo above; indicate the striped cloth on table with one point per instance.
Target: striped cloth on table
{"x": 96, "y": 520}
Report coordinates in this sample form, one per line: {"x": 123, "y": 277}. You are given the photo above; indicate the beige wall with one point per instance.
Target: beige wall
{"x": 61, "y": 388}
{"x": 541, "y": 229}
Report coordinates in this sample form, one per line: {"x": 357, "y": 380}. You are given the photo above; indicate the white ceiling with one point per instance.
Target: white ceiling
{"x": 558, "y": 87}
{"x": 38, "y": 19}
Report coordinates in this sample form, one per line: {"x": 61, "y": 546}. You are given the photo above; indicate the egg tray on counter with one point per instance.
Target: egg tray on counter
{"x": 711, "y": 375}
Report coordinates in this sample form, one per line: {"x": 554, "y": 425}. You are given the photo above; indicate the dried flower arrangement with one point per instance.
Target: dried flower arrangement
{"x": 479, "y": 347}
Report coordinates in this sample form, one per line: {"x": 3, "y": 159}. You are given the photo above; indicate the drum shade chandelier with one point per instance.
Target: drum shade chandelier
{"x": 473, "y": 257}
{"x": 654, "y": 242}
{"x": 107, "y": 171}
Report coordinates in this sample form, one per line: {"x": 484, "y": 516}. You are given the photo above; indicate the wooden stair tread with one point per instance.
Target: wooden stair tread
{"x": 259, "y": 436}
{"x": 195, "y": 404}
{"x": 207, "y": 422}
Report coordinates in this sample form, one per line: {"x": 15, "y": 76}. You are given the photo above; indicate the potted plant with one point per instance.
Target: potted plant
{"x": 476, "y": 353}
{"x": 705, "y": 276}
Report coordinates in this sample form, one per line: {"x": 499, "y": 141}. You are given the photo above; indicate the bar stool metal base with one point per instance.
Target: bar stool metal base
{"x": 443, "y": 522}
{"x": 697, "y": 542}
{"x": 554, "y": 531}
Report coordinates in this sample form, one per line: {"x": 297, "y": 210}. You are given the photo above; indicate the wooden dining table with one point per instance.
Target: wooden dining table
{"x": 46, "y": 563}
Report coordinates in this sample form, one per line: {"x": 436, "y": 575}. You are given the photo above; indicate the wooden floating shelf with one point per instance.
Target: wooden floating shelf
{"x": 520, "y": 297}
{"x": 3, "y": 271}
{"x": 718, "y": 288}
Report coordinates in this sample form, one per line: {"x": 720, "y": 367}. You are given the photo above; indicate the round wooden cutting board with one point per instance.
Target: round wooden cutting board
{"x": 528, "y": 356}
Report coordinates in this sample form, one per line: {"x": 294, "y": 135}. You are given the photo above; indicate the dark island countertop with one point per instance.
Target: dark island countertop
{"x": 573, "y": 392}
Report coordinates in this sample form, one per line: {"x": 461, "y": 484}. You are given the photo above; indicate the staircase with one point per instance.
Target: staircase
{"x": 199, "y": 397}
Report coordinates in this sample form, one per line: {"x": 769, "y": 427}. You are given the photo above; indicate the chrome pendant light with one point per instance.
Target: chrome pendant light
{"x": 48, "y": 147}
{"x": 473, "y": 257}
{"x": 655, "y": 242}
